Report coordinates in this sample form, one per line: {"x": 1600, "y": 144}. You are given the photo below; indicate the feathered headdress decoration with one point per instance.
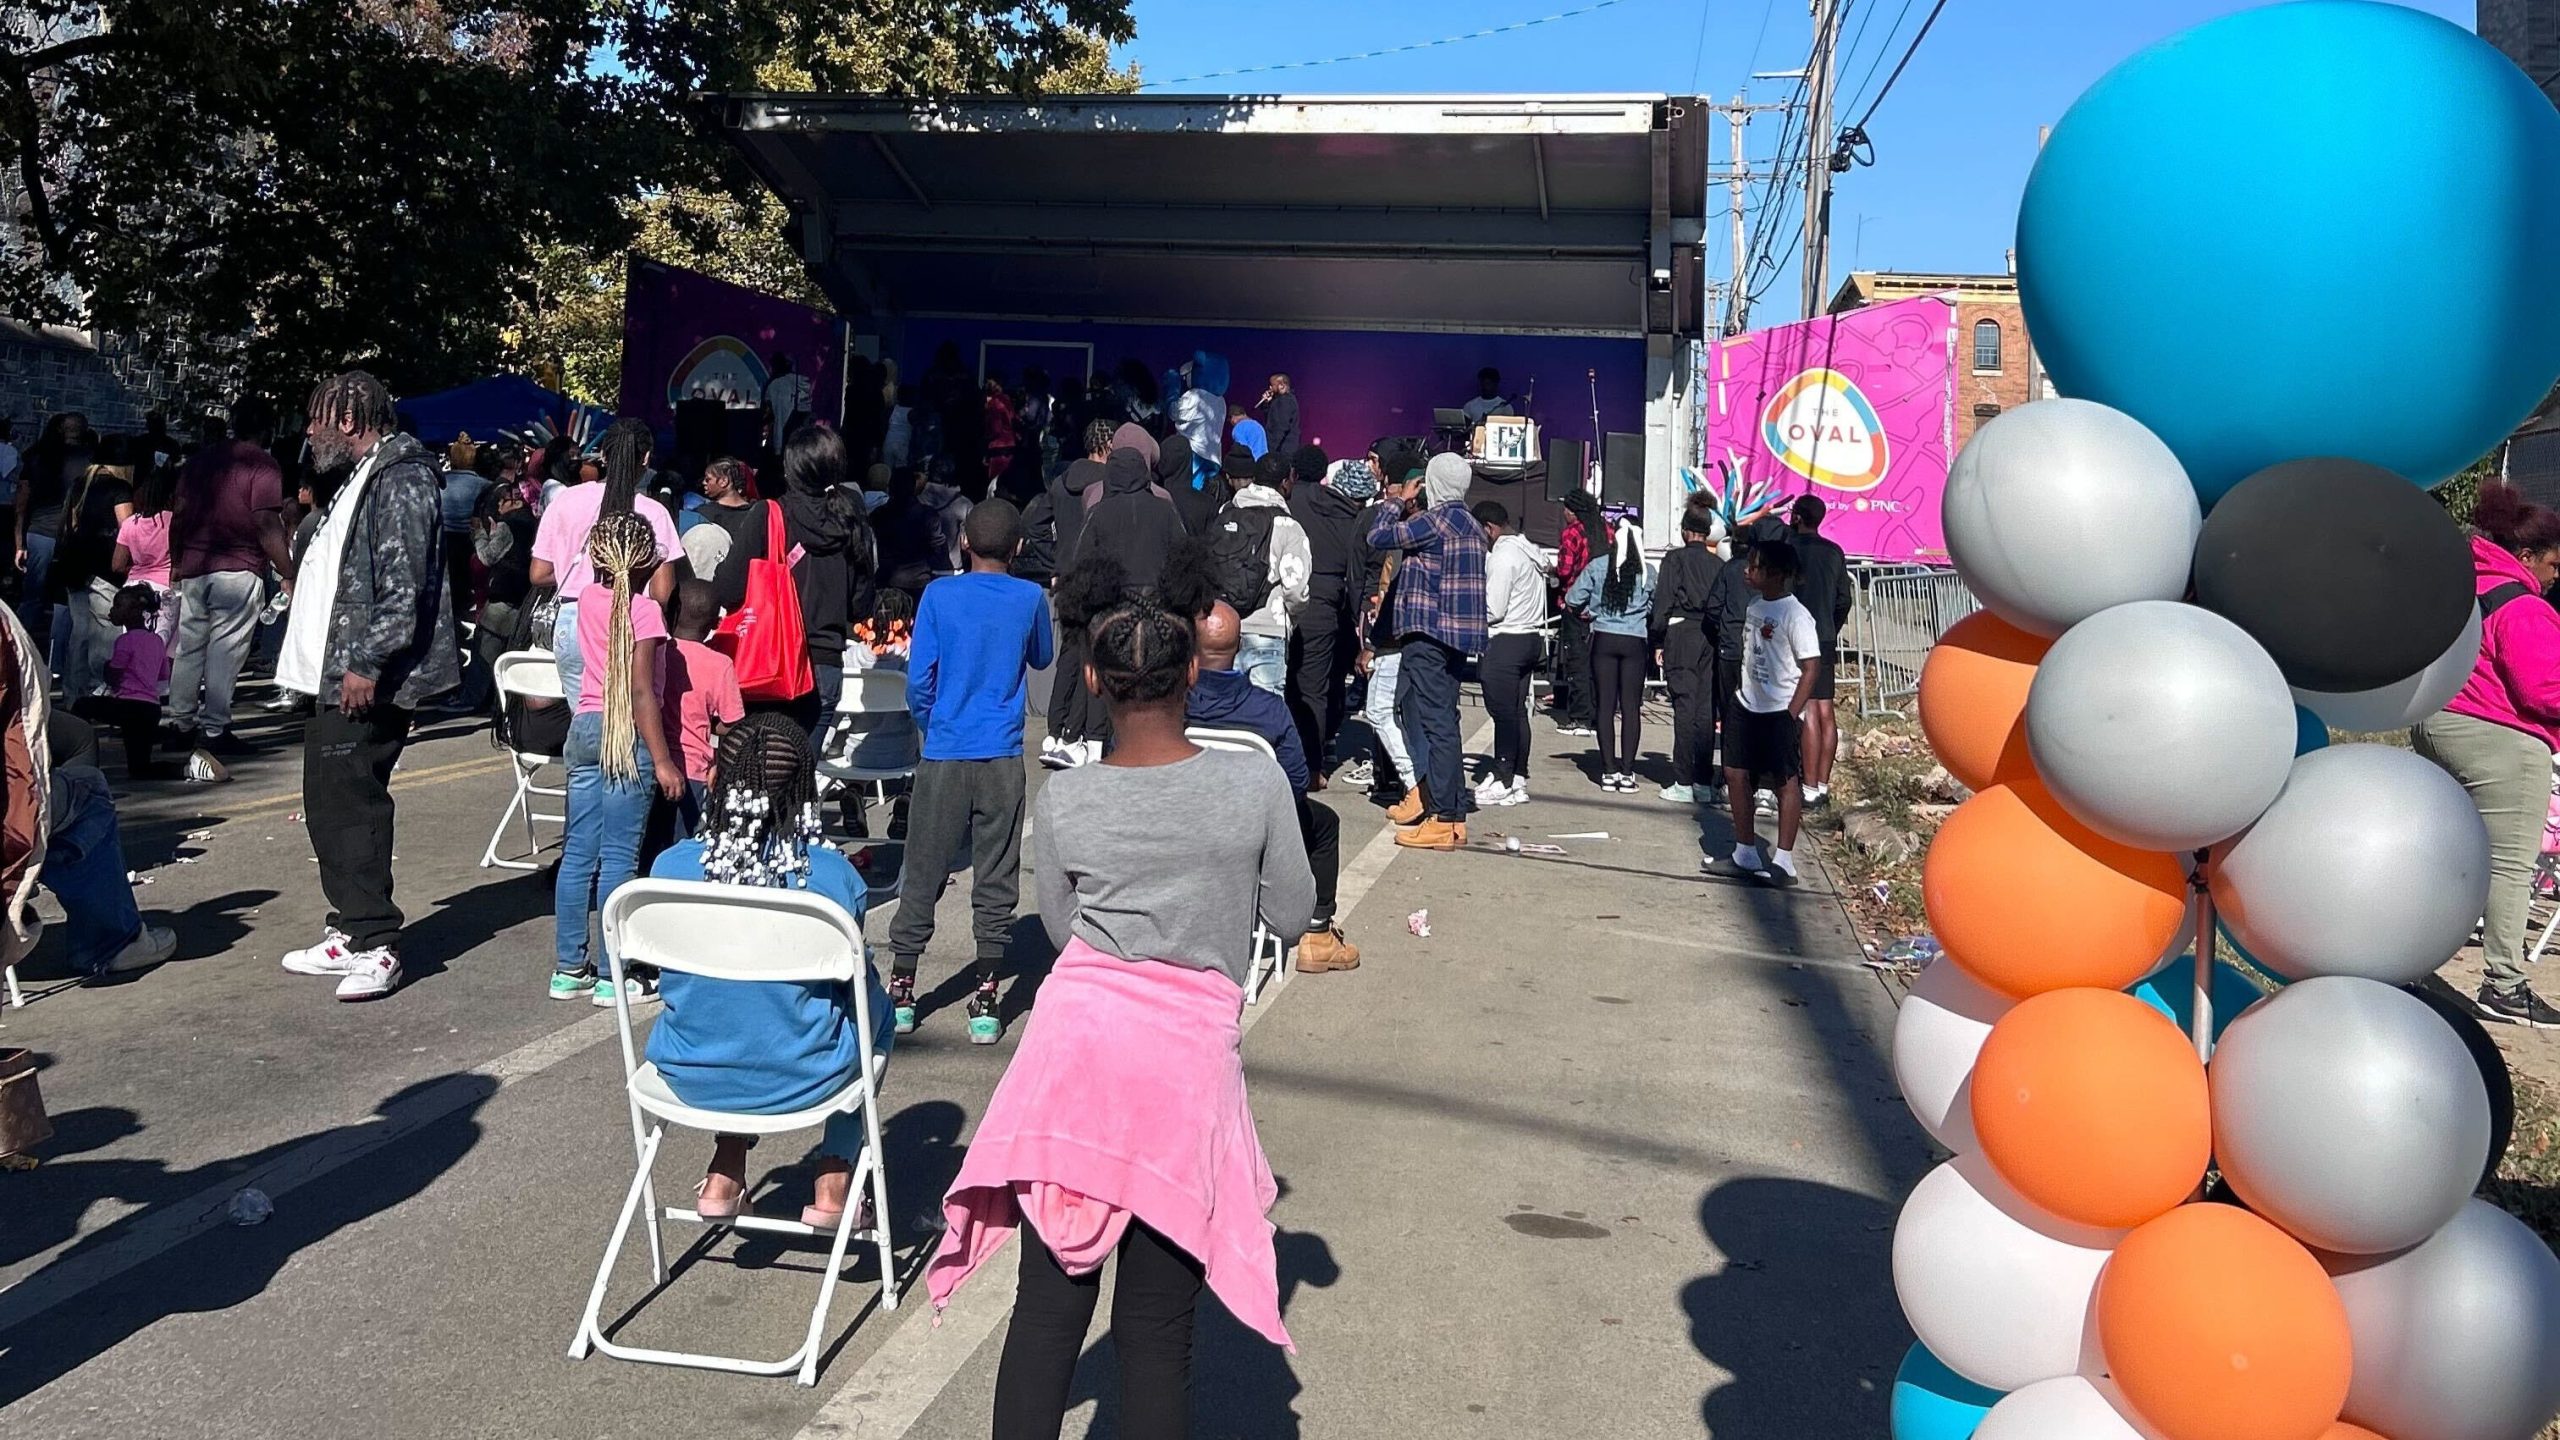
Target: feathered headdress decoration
{"x": 1737, "y": 502}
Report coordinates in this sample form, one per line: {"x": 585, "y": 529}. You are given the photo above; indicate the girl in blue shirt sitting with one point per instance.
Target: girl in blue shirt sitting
{"x": 766, "y": 1047}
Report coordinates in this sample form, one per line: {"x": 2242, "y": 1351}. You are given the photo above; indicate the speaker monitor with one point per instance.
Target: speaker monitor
{"x": 1568, "y": 461}
{"x": 1622, "y": 469}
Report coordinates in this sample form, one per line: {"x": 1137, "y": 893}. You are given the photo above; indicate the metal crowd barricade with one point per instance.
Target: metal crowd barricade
{"x": 1902, "y": 610}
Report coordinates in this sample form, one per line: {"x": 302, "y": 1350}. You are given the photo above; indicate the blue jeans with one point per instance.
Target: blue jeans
{"x": 33, "y": 609}
{"x": 1427, "y": 704}
{"x": 601, "y": 846}
{"x": 84, "y": 868}
{"x": 1264, "y": 659}
{"x": 565, "y": 652}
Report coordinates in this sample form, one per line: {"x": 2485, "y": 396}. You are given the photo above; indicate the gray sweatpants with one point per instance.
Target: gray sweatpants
{"x": 2509, "y": 776}
{"x": 979, "y": 801}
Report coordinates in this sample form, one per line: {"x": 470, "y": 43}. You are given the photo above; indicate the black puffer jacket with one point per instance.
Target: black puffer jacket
{"x": 1336, "y": 534}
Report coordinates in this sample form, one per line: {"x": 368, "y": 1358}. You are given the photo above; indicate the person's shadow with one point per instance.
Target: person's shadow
{"x": 218, "y": 1268}
{"x": 1801, "y": 1315}
{"x": 1242, "y": 1386}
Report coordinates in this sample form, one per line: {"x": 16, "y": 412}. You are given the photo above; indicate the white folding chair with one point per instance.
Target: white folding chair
{"x": 1270, "y": 952}
{"x": 874, "y": 743}
{"x": 746, "y": 933}
{"x": 526, "y": 675}
{"x": 9, "y": 972}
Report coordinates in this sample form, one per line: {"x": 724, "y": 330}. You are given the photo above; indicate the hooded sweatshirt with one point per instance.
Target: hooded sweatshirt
{"x": 1130, "y": 525}
{"x": 2516, "y": 680}
{"x": 1291, "y": 563}
{"x": 1515, "y": 586}
{"x": 823, "y": 575}
{"x": 1197, "y": 498}
{"x": 1337, "y": 537}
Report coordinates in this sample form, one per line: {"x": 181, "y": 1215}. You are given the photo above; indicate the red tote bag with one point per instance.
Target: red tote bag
{"x": 765, "y": 636}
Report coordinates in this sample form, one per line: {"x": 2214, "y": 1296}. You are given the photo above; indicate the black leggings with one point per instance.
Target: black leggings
{"x": 1151, "y": 1308}
{"x": 1617, "y": 674}
{"x": 1322, "y": 830}
{"x": 1508, "y": 659}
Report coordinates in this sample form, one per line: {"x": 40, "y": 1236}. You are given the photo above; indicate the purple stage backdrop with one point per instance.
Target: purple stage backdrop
{"x": 1858, "y": 409}
{"x": 686, "y": 335}
{"x": 1353, "y": 386}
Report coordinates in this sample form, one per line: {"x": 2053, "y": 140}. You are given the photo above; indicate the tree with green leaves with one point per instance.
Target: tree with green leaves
{"x": 425, "y": 187}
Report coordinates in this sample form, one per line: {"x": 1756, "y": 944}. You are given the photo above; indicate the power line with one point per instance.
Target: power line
{"x": 1914, "y": 49}
{"x": 1698, "y": 64}
{"x": 1860, "y": 90}
{"x": 1517, "y": 25}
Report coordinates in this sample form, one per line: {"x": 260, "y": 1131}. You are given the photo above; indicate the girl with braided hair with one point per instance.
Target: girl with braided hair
{"x": 617, "y": 748}
{"x": 560, "y": 541}
{"x": 1120, "y": 1126}
{"x": 766, "y": 1047}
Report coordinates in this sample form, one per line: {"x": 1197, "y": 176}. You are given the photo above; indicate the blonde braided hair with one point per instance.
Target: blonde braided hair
{"x": 623, "y": 550}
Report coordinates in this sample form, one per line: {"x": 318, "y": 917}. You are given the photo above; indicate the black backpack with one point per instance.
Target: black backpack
{"x": 1240, "y": 543}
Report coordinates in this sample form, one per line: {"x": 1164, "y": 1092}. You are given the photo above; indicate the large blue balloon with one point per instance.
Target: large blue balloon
{"x": 2172, "y": 992}
{"x": 1932, "y": 1402}
{"x": 2315, "y": 229}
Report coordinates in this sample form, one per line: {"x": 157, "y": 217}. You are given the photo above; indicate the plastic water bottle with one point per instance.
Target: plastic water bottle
{"x": 251, "y": 1207}
{"x": 275, "y": 608}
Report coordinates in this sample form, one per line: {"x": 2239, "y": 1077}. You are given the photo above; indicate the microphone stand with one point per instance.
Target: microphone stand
{"x": 1598, "y": 441}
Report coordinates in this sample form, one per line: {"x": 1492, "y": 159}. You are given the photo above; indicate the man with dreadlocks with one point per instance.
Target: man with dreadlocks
{"x": 761, "y": 1047}
{"x": 371, "y": 638}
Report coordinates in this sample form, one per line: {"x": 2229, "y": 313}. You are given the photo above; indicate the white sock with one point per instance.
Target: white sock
{"x": 1747, "y": 856}
{"x": 1784, "y": 860}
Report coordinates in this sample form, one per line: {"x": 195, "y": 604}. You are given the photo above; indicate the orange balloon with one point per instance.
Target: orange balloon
{"x": 2093, "y": 1106}
{"x": 1973, "y": 699}
{"x": 2218, "y": 1326}
{"x": 2028, "y": 899}
{"x": 2344, "y": 1431}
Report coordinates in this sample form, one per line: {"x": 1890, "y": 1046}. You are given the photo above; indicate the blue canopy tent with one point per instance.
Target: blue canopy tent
{"x": 485, "y": 409}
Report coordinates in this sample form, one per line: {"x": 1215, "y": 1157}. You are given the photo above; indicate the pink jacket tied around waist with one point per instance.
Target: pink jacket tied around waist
{"x": 1126, "y": 1099}
{"x": 2516, "y": 682}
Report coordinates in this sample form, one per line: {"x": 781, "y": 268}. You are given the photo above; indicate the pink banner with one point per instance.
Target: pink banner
{"x": 1856, "y": 408}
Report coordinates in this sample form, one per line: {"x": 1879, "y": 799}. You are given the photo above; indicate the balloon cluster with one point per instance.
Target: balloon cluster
{"x": 2192, "y": 569}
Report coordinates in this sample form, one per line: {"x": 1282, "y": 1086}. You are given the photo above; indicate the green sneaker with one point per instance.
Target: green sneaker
{"x": 639, "y": 989}
{"x": 566, "y": 986}
{"x": 902, "y": 1000}
{"x": 985, "y": 1028}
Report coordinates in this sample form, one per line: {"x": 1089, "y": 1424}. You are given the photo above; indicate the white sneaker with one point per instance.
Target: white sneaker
{"x": 1678, "y": 795}
{"x": 1053, "y": 753}
{"x": 373, "y": 974}
{"x": 334, "y": 955}
{"x": 1517, "y": 794}
{"x": 1490, "y": 791}
{"x": 1084, "y": 752}
{"x": 1359, "y": 774}
{"x": 154, "y": 945}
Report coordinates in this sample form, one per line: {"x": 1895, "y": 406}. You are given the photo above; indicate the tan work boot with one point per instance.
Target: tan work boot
{"x": 1326, "y": 949}
{"x": 1434, "y": 835}
{"x": 1409, "y": 810}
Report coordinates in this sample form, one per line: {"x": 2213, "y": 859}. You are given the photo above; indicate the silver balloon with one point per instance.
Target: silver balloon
{"x": 2064, "y": 508}
{"x": 2350, "y": 1114}
{"x": 2161, "y": 725}
{"x": 2402, "y": 703}
{"x": 2458, "y": 1339}
{"x": 2372, "y": 862}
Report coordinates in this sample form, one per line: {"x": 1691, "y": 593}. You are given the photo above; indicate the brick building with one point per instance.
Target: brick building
{"x": 1996, "y": 367}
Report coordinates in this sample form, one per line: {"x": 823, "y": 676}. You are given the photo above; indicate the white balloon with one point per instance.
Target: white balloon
{"x": 2072, "y": 1407}
{"x": 2162, "y": 726}
{"x": 2459, "y": 1338}
{"x": 2372, "y": 862}
{"x": 2064, "y": 508}
{"x": 1936, "y": 1035}
{"x": 1995, "y": 1287}
{"x": 2402, "y": 703}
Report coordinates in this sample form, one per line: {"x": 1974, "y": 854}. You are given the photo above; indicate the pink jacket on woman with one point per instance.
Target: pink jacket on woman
{"x": 2516, "y": 682}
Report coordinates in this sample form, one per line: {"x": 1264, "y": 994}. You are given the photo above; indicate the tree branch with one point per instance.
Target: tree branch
{"x": 32, "y": 61}
{"x": 30, "y": 125}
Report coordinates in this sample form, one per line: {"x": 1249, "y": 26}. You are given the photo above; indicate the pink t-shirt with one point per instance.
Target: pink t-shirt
{"x": 147, "y": 538}
{"x": 699, "y": 690}
{"x": 561, "y": 538}
{"x": 595, "y": 628}
{"x": 140, "y": 664}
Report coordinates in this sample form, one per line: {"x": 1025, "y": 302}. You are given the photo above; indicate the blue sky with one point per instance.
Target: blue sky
{"x": 1953, "y": 142}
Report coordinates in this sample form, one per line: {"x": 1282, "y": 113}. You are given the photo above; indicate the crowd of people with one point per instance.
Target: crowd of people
{"x": 1187, "y": 571}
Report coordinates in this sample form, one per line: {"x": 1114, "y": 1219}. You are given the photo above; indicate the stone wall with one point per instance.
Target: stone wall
{"x": 45, "y": 372}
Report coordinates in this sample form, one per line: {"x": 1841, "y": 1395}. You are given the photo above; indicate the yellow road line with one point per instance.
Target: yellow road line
{"x": 405, "y": 780}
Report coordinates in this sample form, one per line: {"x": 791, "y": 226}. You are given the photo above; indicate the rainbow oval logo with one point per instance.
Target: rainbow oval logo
{"x": 1820, "y": 426}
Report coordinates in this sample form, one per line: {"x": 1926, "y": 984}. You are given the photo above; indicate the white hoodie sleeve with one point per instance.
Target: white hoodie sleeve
{"x": 1293, "y": 565}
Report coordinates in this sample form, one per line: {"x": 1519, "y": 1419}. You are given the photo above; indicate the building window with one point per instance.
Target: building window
{"x": 1986, "y": 347}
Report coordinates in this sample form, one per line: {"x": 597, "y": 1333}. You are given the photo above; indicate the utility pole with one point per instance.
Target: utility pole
{"x": 1737, "y": 316}
{"x": 1820, "y": 81}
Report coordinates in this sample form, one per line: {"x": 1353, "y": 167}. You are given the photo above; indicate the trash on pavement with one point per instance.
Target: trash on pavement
{"x": 1912, "y": 949}
{"x": 250, "y": 1207}
{"x": 1419, "y": 922}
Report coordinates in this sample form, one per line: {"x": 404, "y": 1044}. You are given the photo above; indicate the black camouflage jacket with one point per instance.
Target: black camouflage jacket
{"x": 392, "y": 620}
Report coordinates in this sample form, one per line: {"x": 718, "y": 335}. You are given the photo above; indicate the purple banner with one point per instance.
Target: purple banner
{"x": 1857, "y": 408}
{"x": 688, "y": 336}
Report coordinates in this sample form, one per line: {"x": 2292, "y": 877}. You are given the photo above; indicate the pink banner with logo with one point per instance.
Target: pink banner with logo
{"x": 1858, "y": 409}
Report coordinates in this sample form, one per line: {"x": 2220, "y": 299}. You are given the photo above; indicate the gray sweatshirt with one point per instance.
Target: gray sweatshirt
{"x": 1168, "y": 862}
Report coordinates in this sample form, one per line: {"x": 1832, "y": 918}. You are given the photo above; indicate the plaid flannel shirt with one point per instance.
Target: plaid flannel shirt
{"x": 1440, "y": 590}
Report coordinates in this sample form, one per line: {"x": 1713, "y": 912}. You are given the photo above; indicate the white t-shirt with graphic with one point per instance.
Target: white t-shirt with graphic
{"x": 1778, "y": 641}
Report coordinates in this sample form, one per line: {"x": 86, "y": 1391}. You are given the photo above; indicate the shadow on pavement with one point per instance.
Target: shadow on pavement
{"x": 1801, "y": 1315}
{"x": 226, "y": 1265}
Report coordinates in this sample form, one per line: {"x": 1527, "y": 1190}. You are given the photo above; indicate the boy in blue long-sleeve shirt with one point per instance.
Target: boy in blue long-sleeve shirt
{"x": 978, "y": 636}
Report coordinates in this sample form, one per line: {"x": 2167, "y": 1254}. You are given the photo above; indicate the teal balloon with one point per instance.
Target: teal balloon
{"x": 1932, "y": 1402}
{"x": 2172, "y": 992}
{"x": 2310, "y": 732}
{"x": 2290, "y": 178}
